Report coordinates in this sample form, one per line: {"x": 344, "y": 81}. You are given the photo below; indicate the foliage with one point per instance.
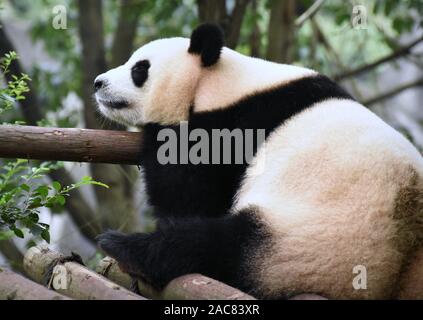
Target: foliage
{"x": 15, "y": 89}
{"x": 23, "y": 194}
{"x": 22, "y": 190}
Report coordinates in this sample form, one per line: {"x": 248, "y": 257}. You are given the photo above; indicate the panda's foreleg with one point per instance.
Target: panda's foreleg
{"x": 215, "y": 247}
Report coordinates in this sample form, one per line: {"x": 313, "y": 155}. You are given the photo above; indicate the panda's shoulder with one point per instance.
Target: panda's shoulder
{"x": 237, "y": 77}
{"x": 270, "y": 107}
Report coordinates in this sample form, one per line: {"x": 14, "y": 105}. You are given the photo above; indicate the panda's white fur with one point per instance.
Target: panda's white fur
{"x": 177, "y": 81}
{"x": 237, "y": 76}
{"x": 169, "y": 92}
{"x": 336, "y": 178}
{"x": 334, "y": 181}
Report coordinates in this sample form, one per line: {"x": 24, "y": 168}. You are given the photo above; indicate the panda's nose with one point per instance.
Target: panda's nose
{"x": 98, "y": 84}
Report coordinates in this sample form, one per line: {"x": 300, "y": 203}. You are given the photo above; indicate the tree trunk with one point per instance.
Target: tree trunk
{"x": 255, "y": 35}
{"x": 122, "y": 48}
{"x": 125, "y": 33}
{"x": 212, "y": 10}
{"x": 115, "y": 206}
{"x": 215, "y": 11}
{"x": 234, "y": 24}
{"x": 281, "y": 33}
{"x": 93, "y": 55}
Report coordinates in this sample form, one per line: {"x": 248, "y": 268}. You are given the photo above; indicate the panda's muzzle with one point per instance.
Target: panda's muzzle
{"x": 100, "y": 86}
{"x": 114, "y": 104}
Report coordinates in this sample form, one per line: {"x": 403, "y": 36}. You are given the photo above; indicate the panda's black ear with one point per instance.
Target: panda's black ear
{"x": 207, "y": 41}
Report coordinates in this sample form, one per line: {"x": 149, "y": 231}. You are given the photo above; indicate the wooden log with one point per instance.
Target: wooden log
{"x": 78, "y": 145}
{"x": 198, "y": 287}
{"x": 15, "y": 287}
{"x": 108, "y": 268}
{"x": 194, "y": 286}
{"x": 188, "y": 287}
{"x": 411, "y": 282}
{"x": 73, "y": 279}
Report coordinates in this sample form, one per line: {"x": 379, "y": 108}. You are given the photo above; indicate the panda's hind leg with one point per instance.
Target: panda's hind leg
{"x": 215, "y": 247}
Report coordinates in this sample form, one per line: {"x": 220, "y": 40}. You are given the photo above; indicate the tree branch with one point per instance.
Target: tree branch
{"x": 80, "y": 211}
{"x": 309, "y": 13}
{"x": 394, "y": 55}
{"x": 321, "y": 37}
{"x": 187, "y": 287}
{"x": 125, "y": 32}
{"x": 15, "y": 287}
{"x": 393, "y": 92}
{"x": 81, "y": 283}
{"x": 79, "y": 145}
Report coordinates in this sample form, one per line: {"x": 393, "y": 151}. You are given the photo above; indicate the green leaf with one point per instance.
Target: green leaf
{"x": 45, "y": 234}
{"x": 30, "y": 244}
{"x": 100, "y": 184}
{"x": 49, "y": 204}
{"x": 35, "y": 203}
{"x": 86, "y": 179}
{"x": 18, "y": 232}
{"x": 42, "y": 191}
{"x": 57, "y": 186}
{"x": 25, "y": 187}
{"x": 60, "y": 200}
{"x": 34, "y": 217}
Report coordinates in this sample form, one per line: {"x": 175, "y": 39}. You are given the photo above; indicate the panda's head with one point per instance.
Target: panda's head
{"x": 158, "y": 83}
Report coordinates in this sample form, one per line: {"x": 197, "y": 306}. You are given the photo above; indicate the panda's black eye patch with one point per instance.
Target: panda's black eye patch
{"x": 139, "y": 72}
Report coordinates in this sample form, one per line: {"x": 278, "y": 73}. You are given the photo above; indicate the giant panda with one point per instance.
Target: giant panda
{"x": 331, "y": 189}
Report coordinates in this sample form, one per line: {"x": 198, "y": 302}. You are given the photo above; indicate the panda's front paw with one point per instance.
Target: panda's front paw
{"x": 128, "y": 250}
{"x": 114, "y": 243}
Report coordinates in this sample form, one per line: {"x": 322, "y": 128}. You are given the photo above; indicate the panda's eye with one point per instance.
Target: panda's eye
{"x": 139, "y": 72}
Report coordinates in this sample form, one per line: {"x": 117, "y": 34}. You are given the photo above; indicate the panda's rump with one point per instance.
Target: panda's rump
{"x": 335, "y": 189}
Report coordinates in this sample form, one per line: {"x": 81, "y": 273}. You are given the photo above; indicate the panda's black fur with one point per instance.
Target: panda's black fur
{"x": 195, "y": 233}
{"x": 207, "y": 41}
{"x": 215, "y": 247}
{"x": 207, "y": 190}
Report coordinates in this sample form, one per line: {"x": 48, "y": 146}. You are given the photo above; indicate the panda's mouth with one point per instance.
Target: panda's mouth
{"x": 114, "y": 104}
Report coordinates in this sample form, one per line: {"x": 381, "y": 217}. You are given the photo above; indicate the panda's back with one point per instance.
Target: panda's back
{"x": 333, "y": 184}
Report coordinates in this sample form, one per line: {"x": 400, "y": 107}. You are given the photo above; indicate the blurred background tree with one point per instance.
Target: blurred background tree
{"x": 372, "y": 47}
